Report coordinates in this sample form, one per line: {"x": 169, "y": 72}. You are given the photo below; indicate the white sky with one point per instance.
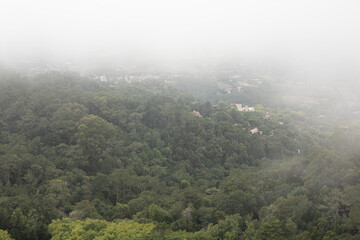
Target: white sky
{"x": 308, "y": 31}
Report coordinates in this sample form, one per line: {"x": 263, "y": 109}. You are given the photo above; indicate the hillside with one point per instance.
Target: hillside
{"x": 86, "y": 159}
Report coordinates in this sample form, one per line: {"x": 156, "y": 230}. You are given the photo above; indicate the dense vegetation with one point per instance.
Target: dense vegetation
{"x": 84, "y": 160}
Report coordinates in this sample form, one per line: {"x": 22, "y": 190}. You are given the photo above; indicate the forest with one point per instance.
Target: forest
{"x": 81, "y": 159}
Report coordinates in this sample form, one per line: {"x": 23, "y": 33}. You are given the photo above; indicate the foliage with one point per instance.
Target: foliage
{"x": 137, "y": 155}
{"x": 4, "y": 235}
{"x": 98, "y": 229}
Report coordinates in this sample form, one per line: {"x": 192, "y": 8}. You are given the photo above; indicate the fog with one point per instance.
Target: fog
{"x": 318, "y": 37}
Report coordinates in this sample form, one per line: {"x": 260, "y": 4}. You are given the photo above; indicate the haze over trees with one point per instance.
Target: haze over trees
{"x": 79, "y": 159}
{"x": 181, "y": 120}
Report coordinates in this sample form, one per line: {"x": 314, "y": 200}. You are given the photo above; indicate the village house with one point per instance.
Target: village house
{"x": 196, "y": 113}
{"x": 246, "y": 108}
{"x": 103, "y": 79}
{"x": 254, "y": 130}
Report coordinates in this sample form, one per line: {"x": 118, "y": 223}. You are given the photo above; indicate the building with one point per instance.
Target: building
{"x": 240, "y": 108}
{"x": 196, "y": 113}
{"x": 254, "y": 130}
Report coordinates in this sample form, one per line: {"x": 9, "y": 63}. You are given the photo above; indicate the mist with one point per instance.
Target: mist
{"x": 320, "y": 37}
{"x": 182, "y": 119}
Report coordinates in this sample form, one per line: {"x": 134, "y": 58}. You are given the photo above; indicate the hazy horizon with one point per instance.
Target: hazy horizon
{"x": 318, "y": 37}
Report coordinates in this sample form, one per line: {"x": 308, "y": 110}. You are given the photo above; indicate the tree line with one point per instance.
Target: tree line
{"x": 87, "y": 160}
